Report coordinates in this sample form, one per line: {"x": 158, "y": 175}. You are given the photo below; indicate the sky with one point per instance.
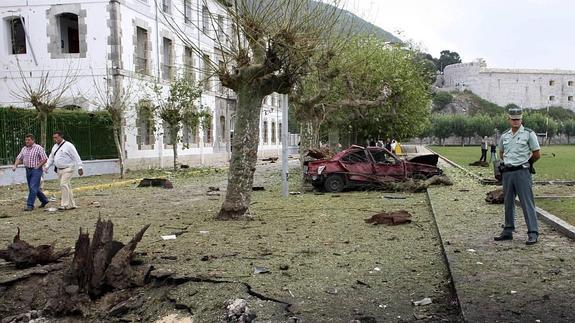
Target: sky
{"x": 537, "y": 34}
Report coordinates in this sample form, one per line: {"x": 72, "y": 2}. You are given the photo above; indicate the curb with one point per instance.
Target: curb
{"x": 555, "y": 222}
{"x": 445, "y": 257}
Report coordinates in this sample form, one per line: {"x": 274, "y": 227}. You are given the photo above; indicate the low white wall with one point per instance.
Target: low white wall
{"x": 91, "y": 167}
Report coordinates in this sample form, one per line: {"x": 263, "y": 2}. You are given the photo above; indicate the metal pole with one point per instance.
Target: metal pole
{"x": 284, "y": 130}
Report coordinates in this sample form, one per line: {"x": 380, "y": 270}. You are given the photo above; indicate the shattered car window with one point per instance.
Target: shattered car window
{"x": 357, "y": 156}
{"x": 382, "y": 157}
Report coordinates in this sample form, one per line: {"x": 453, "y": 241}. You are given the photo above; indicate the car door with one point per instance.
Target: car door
{"x": 386, "y": 165}
{"x": 357, "y": 164}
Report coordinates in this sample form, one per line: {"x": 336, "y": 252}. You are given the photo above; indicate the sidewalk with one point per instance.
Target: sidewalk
{"x": 502, "y": 281}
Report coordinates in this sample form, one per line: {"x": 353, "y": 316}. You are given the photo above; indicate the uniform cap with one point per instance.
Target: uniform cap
{"x": 515, "y": 113}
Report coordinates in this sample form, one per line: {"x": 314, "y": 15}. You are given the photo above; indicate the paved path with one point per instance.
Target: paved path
{"x": 502, "y": 281}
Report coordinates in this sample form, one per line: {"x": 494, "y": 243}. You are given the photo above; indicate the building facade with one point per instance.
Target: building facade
{"x": 100, "y": 47}
{"x": 528, "y": 88}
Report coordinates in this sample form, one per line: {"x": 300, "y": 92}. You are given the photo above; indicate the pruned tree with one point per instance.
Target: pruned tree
{"x": 179, "y": 107}
{"x": 46, "y": 93}
{"x": 115, "y": 98}
{"x": 261, "y": 47}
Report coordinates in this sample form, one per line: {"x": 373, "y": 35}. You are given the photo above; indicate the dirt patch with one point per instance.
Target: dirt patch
{"x": 324, "y": 263}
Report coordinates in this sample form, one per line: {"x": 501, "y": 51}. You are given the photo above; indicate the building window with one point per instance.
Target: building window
{"x": 551, "y": 82}
{"x": 166, "y": 6}
{"x": 189, "y": 136}
{"x": 141, "y": 60}
{"x": 17, "y": 36}
{"x": 551, "y": 98}
{"x": 280, "y": 132}
{"x": 205, "y": 20}
{"x": 570, "y": 83}
{"x": 145, "y": 124}
{"x": 188, "y": 11}
{"x": 206, "y": 71}
{"x": 189, "y": 64}
{"x": 273, "y": 132}
{"x": 265, "y": 130}
{"x": 167, "y": 59}
{"x": 223, "y": 129}
{"x": 208, "y": 133}
{"x": 570, "y": 98}
{"x": 69, "y": 36}
{"x": 220, "y": 34}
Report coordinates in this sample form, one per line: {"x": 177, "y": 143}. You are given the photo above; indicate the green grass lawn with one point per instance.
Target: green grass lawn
{"x": 563, "y": 208}
{"x": 560, "y": 166}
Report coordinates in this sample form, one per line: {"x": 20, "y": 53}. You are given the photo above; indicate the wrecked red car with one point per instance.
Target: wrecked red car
{"x": 361, "y": 166}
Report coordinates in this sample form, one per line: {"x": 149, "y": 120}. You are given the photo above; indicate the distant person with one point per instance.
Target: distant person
{"x": 65, "y": 158}
{"x": 33, "y": 157}
{"x": 519, "y": 150}
{"x": 388, "y": 144}
{"x": 484, "y": 144}
{"x": 493, "y": 152}
{"x": 393, "y": 145}
{"x": 372, "y": 143}
{"x": 379, "y": 143}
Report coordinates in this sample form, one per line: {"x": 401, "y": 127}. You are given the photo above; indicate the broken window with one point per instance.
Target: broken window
{"x": 380, "y": 156}
{"x": 551, "y": 98}
{"x": 189, "y": 64}
{"x": 167, "y": 59}
{"x": 69, "y": 36}
{"x": 570, "y": 83}
{"x": 208, "y": 133}
{"x": 570, "y": 98}
{"x": 273, "y": 133}
{"x": 17, "y": 36}
{"x": 145, "y": 124}
{"x": 265, "y": 130}
{"x": 141, "y": 60}
{"x": 551, "y": 82}
{"x": 188, "y": 11}
{"x": 221, "y": 34}
{"x": 280, "y": 132}
{"x": 167, "y": 133}
{"x": 355, "y": 156}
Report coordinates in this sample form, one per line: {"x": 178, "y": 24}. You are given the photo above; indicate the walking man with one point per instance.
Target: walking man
{"x": 33, "y": 157}
{"x": 65, "y": 159}
{"x": 484, "y": 144}
{"x": 519, "y": 150}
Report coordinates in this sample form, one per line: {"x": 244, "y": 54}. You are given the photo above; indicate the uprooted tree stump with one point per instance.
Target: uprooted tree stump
{"x": 99, "y": 266}
{"x": 24, "y": 255}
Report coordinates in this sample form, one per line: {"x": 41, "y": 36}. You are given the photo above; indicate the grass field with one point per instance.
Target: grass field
{"x": 563, "y": 208}
{"x": 557, "y": 161}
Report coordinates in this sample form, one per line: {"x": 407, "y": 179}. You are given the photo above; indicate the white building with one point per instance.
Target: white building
{"x": 127, "y": 44}
{"x": 528, "y": 88}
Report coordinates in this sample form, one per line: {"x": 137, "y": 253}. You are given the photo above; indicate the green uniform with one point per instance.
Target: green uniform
{"x": 517, "y": 149}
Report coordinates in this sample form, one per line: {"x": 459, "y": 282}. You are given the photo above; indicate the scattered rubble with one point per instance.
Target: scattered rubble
{"x": 24, "y": 255}
{"x": 495, "y": 196}
{"x": 238, "y": 311}
{"x": 156, "y": 182}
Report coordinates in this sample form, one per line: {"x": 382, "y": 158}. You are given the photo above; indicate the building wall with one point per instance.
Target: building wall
{"x": 100, "y": 58}
{"x": 528, "y": 88}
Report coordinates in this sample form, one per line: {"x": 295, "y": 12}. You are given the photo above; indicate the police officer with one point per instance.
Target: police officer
{"x": 518, "y": 149}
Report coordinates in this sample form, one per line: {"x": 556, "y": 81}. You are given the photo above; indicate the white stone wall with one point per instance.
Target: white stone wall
{"x": 91, "y": 67}
{"x": 524, "y": 87}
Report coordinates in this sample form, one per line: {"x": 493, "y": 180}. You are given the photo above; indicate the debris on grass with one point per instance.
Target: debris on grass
{"x": 24, "y": 255}
{"x": 261, "y": 270}
{"x": 391, "y": 218}
{"x": 169, "y": 237}
{"x": 422, "y": 302}
{"x": 156, "y": 182}
{"x": 479, "y": 163}
{"x": 258, "y": 188}
{"x": 238, "y": 311}
{"x": 495, "y": 196}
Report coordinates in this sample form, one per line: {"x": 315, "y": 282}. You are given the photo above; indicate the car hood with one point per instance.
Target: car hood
{"x": 430, "y": 159}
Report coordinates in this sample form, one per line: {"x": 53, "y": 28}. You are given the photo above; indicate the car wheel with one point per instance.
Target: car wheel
{"x": 334, "y": 183}
{"x": 419, "y": 177}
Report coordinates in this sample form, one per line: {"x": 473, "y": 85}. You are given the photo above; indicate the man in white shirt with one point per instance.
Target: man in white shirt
{"x": 65, "y": 159}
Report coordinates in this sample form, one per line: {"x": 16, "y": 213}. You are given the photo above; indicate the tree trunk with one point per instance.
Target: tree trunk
{"x": 244, "y": 156}
{"x": 174, "y": 137}
{"x": 309, "y": 137}
{"x": 119, "y": 142}
{"x": 43, "y": 127}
